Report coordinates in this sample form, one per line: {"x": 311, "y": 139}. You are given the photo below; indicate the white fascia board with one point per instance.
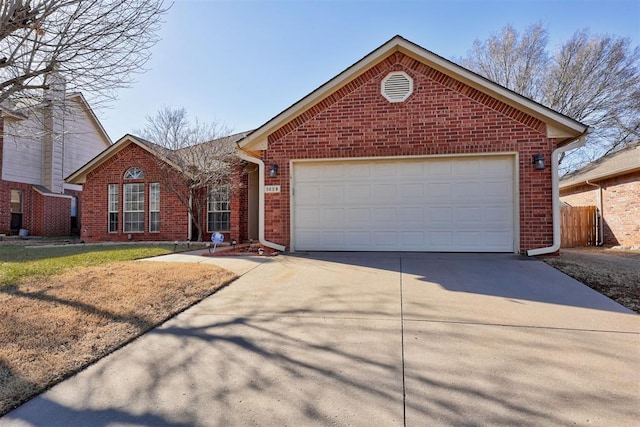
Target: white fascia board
{"x": 484, "y": 85}
{"x": 558, "y": 125}
{"x": 256, "y": 138}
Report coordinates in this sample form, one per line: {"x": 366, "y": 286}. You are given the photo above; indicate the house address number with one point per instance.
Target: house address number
{"x": 271, "y": 189}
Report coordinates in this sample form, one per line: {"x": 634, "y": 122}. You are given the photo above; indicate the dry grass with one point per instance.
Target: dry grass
{"x": 614, "y": 273}
{"x": 51, "y": 329}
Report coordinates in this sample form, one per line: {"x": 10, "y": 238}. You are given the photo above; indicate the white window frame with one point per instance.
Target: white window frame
{"x": 219, "y": 207}
{"x": 112, "y": 207}
{"x": 134, "y": 173}
{"x": 154, "y": 207}
{"x": 127, "y": 206}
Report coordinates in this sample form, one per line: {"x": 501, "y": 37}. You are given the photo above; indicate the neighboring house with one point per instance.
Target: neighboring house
{"x": 612, "y": 184}
{"x": 128, "y": 196}
{"x": 402, "y": 151}
{"x": 39, "y": 146}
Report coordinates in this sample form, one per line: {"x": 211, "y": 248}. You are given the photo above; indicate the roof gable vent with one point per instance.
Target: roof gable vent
{"x": 397, "y": 86}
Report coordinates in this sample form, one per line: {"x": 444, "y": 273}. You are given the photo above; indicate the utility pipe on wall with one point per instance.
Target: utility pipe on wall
{"x": 555, "y": 194}
{"x": 260, "y": 163}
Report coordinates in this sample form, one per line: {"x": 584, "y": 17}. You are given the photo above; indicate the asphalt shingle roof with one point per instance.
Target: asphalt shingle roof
{"x": 613, "y": 164}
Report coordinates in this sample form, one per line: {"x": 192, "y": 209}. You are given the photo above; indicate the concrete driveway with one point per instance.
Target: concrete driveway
{"x": 369, "y": 339}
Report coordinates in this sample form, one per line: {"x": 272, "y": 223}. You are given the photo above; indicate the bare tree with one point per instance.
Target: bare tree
{"x": 198, "y": 160}
{"x": 512, "y": 60}
{"x": 594, "y": 79}
{"x": 96, "y": 46}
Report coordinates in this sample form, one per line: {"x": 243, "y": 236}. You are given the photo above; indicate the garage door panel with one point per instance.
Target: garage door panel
{"x": 334, "y": 216}
{"x": 383, "y": 239}
{"x": 384, "y": 216}
{"x": 411, "y": 215}
{"x": 384, "y": 193}
{"x": 440, "y": 239}
{"x": 358, "y": 216}
{"x": 467, "y": 214}
{"x": 308, "y": 216}
{"x": 440, "y": 204}
{"x": 497, "y": 190}
{"x": 498, "y": 214}
{"x": 362, "y": 170}
{"x": 442, "y": 191}
{"x": 440, "y": 214}
{"x": 438, "y": 168}
{"x": 470, "y": 240}
{"x": 466, "y": 168}
{"x": 359, "y": 193}
{"x": 413, "y": 169}
{"x": 357, "y": 240}
{"x": 413, "y": 239}
{"x": 496, "y": 168}
{"x": 497, "y": 239}
{"x": 467, "y": 191}
{"x": 384, "y": 169}
{"x": 309, "y": 196}
{"x": 330, "y": 194}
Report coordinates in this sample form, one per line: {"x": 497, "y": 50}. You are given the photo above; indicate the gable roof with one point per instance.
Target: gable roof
{"x": 558, "y": 125}
{"x": 164, "y": 154}
{"x": 80, "y": 176}
{"x": 613, "y": 164}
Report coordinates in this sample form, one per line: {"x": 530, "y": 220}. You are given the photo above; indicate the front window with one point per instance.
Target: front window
{"x": 219, "y": 209}
{"x": 113, "y": 208}
{"x": 133, "y": 208}
{"x": 154, "y": 207}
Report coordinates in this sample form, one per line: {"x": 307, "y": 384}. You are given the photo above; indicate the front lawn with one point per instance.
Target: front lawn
{"x": 63, "y": 308}
{"x": 18, "y": 262}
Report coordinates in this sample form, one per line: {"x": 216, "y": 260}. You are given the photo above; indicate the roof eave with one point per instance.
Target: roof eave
{"x": 613, "y": 174}
{"x": 79, "y": 177}
{"x": 558, "y": 125}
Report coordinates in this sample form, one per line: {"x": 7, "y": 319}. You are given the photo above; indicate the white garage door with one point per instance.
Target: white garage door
{"x": 452, "y": 204}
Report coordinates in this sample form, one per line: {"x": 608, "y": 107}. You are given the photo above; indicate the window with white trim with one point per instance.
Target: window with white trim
{"x": 113, "y": 208}
{"x": 154, "y": 207}
{"x": 219, "y": 209}
{"x": 133, "y": 221}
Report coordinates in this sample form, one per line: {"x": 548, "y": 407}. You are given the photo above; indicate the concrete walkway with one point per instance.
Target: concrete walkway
{"x": 369, "y": 340}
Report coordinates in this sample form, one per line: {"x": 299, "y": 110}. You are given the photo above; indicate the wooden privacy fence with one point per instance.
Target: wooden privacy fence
{"x": 578, "y": 226}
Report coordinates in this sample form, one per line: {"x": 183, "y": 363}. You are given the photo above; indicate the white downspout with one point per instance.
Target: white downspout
{"x": 555, "y": 194}
{"x": 260, "y": 163}
{"x": 600, "y": 230}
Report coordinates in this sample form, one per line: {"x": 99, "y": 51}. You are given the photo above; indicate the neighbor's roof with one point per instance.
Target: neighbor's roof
{"x": 558, "y": 125}
{"x": 613, "y": 164}
{"x": 231, "y": 140}
{"x": 19, "y": 111}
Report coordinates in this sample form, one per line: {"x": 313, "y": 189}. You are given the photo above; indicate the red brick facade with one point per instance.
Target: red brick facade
{"x": 442, "y": 116}
{"x": 174, "y": 218}
{"x": 620, "y": 207}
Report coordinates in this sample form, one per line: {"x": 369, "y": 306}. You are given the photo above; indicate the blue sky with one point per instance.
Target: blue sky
{"x": 239, "y": 63}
